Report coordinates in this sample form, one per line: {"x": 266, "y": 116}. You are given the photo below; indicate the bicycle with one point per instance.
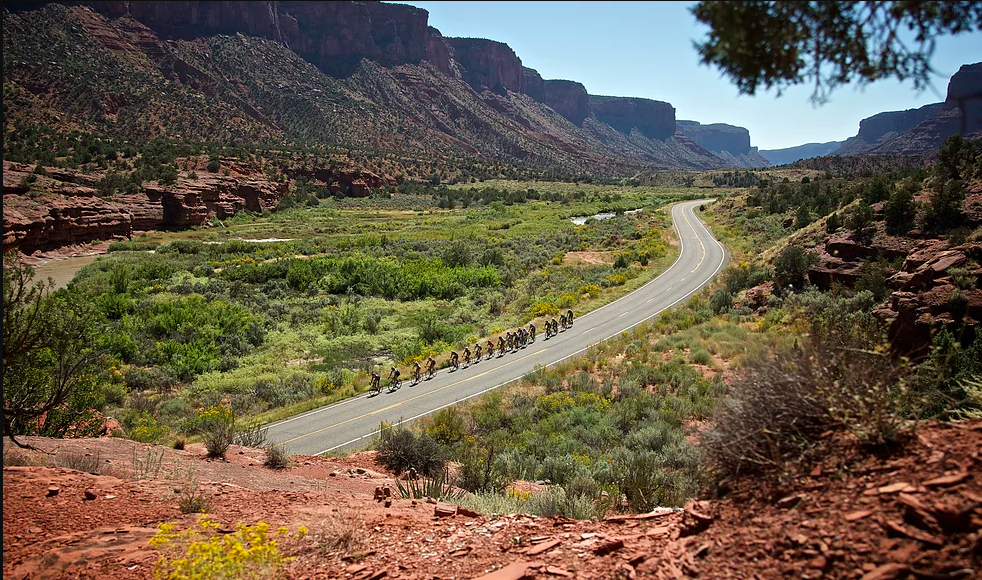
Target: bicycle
{"x": 376, "y": 386}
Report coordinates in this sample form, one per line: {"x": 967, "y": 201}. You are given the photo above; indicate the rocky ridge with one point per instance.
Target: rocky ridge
{"x": 217, "y": 66}
{"x": 653, "y": 119}
{"x": 923, "y": 130}
{"x": 730, "y": 142}
{"x": 63, "y": 208}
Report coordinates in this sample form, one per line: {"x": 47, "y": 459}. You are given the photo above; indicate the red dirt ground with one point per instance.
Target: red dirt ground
{"x": 916, "y": 514}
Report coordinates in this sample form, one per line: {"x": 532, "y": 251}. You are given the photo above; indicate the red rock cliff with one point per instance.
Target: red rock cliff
{"x": 533, "y": 84}
{"x": 568, "y": 98}
{"x": 71, "y": 213}
{"x": 718, "y": 136}
{"x": 439, "y": 53}
{"x": 335, "y": 36}
{"x": 487, "y": 64}
{"x": 653, "y": 119}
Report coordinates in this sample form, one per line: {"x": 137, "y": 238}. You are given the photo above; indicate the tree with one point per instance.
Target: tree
{"x": 782, "y": 44}
{"x": 49, "y": 365}
{"x": 861, "y": 222}
{"x": 791, "y": 267}
{"x": 833, "y": 223}
{"x": 900, "y": 212}
{"x": 802, "y": 218}
{"x": 945, "y": 210}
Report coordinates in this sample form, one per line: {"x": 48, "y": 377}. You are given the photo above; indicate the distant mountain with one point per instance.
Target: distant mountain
{"x": 923, "y": 130}
{"x": 806, "y": 151}
{"x": 369, "y": 75}
{"x": 727, "y": 141}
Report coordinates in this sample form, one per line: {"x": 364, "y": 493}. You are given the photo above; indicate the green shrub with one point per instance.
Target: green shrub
{"x": 399, "y": 450}
{"x": 780, "y": 405}
{"x": 216, "y": 425}
{"x": 437, "y": 487}
{"x": 721, "y": 301}
{"x": 192, "y": 500}
{"x": 701, "y": 357}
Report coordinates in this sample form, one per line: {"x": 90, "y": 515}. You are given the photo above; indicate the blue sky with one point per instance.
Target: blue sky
{"x": 644, "y": 49}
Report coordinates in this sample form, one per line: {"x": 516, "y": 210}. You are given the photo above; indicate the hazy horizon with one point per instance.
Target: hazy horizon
{"x": 616, "y": 48}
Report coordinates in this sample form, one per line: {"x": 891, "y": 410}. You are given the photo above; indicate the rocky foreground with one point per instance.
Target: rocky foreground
{"x": 852, "y": 514}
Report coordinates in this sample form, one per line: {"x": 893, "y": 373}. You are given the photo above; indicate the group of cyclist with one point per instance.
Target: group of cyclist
{"x": 565, "y": 321}
{"x": 508, "y": 342}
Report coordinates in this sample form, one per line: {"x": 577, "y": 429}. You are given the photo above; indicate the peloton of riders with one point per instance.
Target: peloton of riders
{"x": 507, "y": 342}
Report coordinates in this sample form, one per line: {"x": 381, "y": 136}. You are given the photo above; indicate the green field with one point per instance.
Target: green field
{"x": 210, "y": 315}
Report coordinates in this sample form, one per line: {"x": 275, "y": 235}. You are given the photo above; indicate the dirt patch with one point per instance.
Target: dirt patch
{"x": 846, "y": 514}
{"x": 589, "y": 258}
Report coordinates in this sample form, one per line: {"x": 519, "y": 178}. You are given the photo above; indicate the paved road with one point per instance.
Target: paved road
{"x": 351, "y": 423}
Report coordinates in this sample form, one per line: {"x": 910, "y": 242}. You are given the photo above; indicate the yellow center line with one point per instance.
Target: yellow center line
{"x": 698, "y": 239}
{"x": 622, "y": 314}
{"x": 588, "y": 330}
{"x": 393, "y": 406}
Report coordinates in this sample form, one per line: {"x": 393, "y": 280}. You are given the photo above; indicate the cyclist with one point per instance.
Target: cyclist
{"x": 501, "y": 346}
{"x": 569, "y": 317}
{"x": 454, "y": 359}
{"x": 490, "y": 348}
{"x": 376, "y": 382}
{"x": 555, "y": 327}
{"x": 467, "y": 356}
{"x": 417, "y": 372}
{"x": 562, "y": 321}
{"x": 430, "y": 367}
{"x": 531, "y": 332}
{"x": 477, "y": 352}
{"x": 394, "y": 379}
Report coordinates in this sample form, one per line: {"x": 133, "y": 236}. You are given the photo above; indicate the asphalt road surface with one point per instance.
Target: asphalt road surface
{"x": 352, "y": 423}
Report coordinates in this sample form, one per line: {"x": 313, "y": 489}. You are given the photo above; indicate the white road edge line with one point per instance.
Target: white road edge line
{"x": 471, "y": 396}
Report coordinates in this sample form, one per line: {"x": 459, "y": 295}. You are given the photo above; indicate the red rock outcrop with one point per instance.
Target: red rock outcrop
{"x": 653, "y": 119}
{"x": 439, "y": 53}
{"x": 882, "y": 127}
{"x": 62, "y": 213}
{"x": 718, "y": 137}
{"x": 488, "y": 65}
{"x": 923, "y": 130}
{"x": 926, "y": 296}
{"x": 533, "y": 84}
{"x": 568, "y": 98}
{"x": 728, "y": 142}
